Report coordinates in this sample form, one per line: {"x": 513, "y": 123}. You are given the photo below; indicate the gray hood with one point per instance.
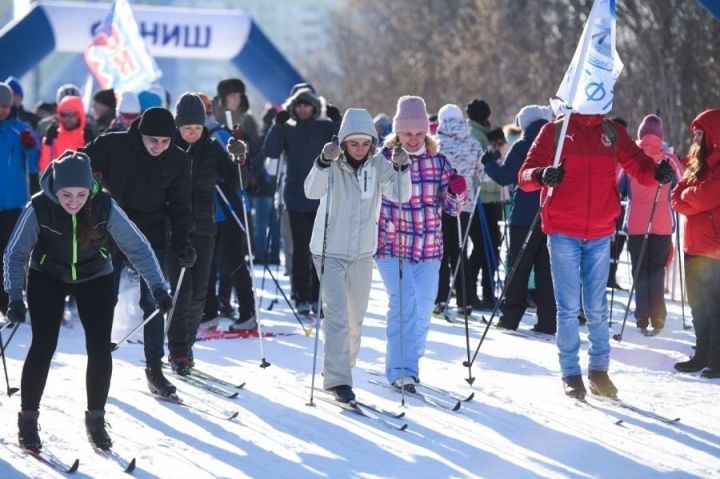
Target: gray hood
{"x": 357, "y": 121}
{"x": 307, "y": 95}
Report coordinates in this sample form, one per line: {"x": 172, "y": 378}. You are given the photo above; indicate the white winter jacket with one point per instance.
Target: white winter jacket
{"x": 355, "y": 204}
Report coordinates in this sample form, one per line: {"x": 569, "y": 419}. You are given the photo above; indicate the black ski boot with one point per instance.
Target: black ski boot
{"x": 343, "y": 393}
{"x": 601, "y": 385}
{"x": 692, "y": 365}
{"x": 407, "y": 383}
{"x": 95, "y": 428}
{"x": 181, "y": 365}
{"x": 28, "y": 436}
{"x": 574, "y": 386}
{"x": 158, "y": 383}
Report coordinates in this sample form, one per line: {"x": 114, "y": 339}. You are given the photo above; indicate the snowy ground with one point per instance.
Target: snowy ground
{"x": 519, "y": 425}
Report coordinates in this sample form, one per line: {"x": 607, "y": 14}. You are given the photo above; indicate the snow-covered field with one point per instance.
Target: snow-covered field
{"x": 519, "y": 424}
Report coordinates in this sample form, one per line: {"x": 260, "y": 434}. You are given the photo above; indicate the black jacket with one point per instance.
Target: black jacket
{"x": 209, "y": 162}
{"x": 150, "y": 189}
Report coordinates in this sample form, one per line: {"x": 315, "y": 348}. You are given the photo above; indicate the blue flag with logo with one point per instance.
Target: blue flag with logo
{"x": 118, "y": 56}
{"x": 598, "y": 63}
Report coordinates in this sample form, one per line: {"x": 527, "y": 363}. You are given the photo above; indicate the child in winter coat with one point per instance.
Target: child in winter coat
{"x": 349, "y": 180}
{"x": 410, "y": 243}
{"x": 464, "y": 153}
{"x": 65, "y": 231}
{"x": 696, "y": 196}
{"x": 650, "y": 285}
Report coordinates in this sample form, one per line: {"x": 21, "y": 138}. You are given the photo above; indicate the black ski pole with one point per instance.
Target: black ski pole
{"x": 328, "y": 200}
{"x": 613, "y": 260}
{"x": 508, "y": 280}
{"x": 10, "y": 391}
{"x": 270, "y": 228}
{"x": 618, "y": 336}
{"x": 461, "y": 260}
{"x": 679, "y": 253}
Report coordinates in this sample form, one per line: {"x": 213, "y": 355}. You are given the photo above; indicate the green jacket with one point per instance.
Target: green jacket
{"x": 490, "y": 192}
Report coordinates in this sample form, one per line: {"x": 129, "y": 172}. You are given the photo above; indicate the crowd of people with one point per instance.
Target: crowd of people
{"x": 186, "y": 197}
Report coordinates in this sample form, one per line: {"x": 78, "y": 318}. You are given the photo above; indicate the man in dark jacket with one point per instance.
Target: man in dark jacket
{"x": 149, "y": 177}
{"x": 524, "y": 208}
{"x": 300, "y": 134}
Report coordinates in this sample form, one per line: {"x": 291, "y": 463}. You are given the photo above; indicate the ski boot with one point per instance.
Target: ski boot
{"x": 158, "y": 383}
{"x": 600, "y": 384}
{"x": 247, "y": 324}
{"x": 574, "y": 386}
{"x": 692, "y": 365}
{"x": 181, "y": 365}
{"x": 407, "y": 383}
{"x": 28, "y": 436}
{"x": 95, "y": 428}
{"x": 343, "y": 393}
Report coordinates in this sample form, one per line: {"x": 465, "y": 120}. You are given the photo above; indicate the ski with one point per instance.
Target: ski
{"x": 379, "y": 410}
{"x": 450, "y": 404}
{"x": 529, "y": 334}
{"x": 584, "y": 403}
{"x": 196, "y": 373}
{"x": 449, "y": 394}
{"x": 638, "y": 410}
{"x": 205, "y": 384}
{"x": 128, "y": 466}
{"x": 175, "y": 399}
{"x": 213, "y": 334}
{"x": 364, "y": 412}
{"x": 49, "y": 459}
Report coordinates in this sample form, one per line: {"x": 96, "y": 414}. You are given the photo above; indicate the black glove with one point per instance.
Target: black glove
{"x": 16, "y": 311}
{"x": 333, "y": 114}
{"x": 163, "y": 299}
{"x": 490, "y": 155}
{"x": 282, "y": 117}
{"x": 664, "y": 172}
{"x": 551, "y": 176}
{"x": 186, "y": 255}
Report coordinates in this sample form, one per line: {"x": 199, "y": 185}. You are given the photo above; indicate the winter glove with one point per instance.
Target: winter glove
{"x": 400, "y": 157}
{"x": 490, "y": 155}
{"x": 551, "y": 176}
{"x": 163, "y": 299}
{"x": 238, "y": 150}
{"x": 664, "y": 172}
{"x": 457, "y": 185}
{"x": 186, "y": 255}
{"x": 27, "y": 139}
{"x": 496, "y": 136}
{"x": 331, "y": 151}
{"x": 333, "y": 114}
{"x": 16, "y": 311}
{"x": 282, "y": 117}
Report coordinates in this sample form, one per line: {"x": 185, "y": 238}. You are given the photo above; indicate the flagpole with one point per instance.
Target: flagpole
{"x": 573, "y": 90}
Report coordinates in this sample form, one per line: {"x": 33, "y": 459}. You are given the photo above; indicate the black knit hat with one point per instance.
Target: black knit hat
{"x": 157, "y": 121}
{"x": 230, "y": 85}
{"x": 107, "y": 98}
{"x": 72, "y": 170}
{"x": 478, "y": 110}
{"x": 189, "y": 110}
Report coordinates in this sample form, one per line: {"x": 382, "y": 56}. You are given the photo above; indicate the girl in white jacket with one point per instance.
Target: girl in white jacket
{"x": 345, "y": 233}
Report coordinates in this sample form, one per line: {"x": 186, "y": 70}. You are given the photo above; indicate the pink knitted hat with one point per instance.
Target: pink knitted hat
{"x": 411, "y": 114}
{"x": 651, "y": 125}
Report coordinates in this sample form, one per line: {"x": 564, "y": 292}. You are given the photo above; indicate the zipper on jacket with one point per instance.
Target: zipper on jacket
{"x": 73, "y": 269}
{"x": 42, "y": 259}
{"x": 103, "y": 253}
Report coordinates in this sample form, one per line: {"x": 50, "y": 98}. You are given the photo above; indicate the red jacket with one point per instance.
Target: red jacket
{"x": 699, "y": 199}
{"x": 586, "y": 203}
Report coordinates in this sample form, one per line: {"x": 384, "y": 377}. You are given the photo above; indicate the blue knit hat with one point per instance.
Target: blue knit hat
{"x": 15, "y": 86}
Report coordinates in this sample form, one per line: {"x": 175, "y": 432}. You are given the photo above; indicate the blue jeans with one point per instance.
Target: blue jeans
{"x": 420, "y": 284}
{"x": 154, "y": 331}
{"x": 263, "y": 205}
{"x": 580, "y": 265}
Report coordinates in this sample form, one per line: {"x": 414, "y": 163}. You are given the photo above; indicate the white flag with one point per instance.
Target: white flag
{"x": 600, "y": 64}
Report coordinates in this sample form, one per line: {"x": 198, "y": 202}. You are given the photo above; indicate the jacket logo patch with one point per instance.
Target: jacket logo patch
{"x": 605, "y": 140}
{"x": 572, "y": 137}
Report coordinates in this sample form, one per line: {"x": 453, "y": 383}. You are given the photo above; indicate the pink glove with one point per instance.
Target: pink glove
{"x": 457, "y": 184}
